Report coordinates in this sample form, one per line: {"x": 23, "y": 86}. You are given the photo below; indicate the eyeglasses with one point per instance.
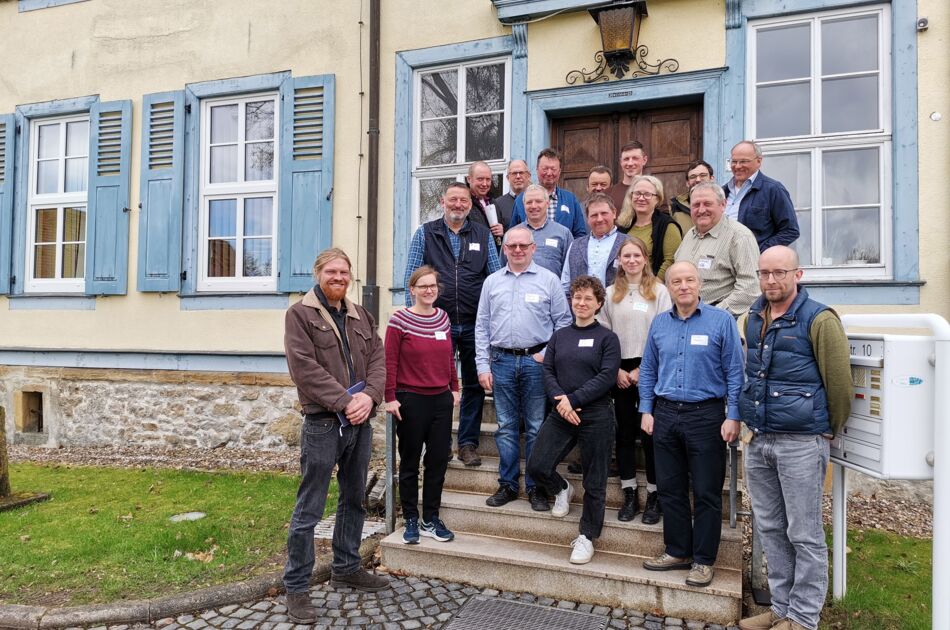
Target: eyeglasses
{"x": 638, "y": 194}
{"x": 517, "y": 173}
{"x": 425, "y": 287}
{"x": 778, "y": 274}
{"x": 521, "y": 246}
{"x": 696, "y": 176}
{"x": 740, "y": 162}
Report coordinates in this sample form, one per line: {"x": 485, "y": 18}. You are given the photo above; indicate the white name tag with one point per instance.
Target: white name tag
{"x": 641, "y": 306}
{"x": 565, "y": 209}
{"x": 705, "y": 263}
{"x": 551, "y": 242}
{"x": 440, "y": 335}
{"x": 699, "y": 340}
{"x": 585, "y": 343}
{"x": 533, "y": 298}
{"x": 474, "y": 247}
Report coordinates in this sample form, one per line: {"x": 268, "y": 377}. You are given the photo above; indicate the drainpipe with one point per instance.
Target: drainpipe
{"x": 371, "y": 288}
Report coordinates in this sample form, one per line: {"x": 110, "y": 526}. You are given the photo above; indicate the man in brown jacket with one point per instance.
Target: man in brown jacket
{"x": 336, "y": 360}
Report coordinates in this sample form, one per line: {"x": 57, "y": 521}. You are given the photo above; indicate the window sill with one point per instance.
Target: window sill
{"x": 866, "y": 292}
{"x": 33, "y": 5}
{"x": 51, "y": 302}
{"x": 234, "y": 302}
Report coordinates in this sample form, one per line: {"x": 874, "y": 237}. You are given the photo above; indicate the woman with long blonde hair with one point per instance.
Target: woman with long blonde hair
{"x": 634, "y": 299}
{"x": 640, "y": 217}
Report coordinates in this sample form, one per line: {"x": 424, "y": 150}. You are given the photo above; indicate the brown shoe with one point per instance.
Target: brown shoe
{"x": 788, "y": 624}
{"x": 700, "y": 575}
{"x": 468, "y": 456}
{"x": 300, "y": 609}
{"x": 362, "y": 580}
{"x": 765, "y": 621}
{"x": 666, "y": 562}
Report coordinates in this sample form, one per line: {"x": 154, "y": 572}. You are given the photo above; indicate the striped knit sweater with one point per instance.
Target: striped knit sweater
{"x": 419, "y": 355}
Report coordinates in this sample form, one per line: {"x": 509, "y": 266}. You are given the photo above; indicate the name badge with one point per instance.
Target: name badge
{"x": 551, "y": 242}
{"x": 641, "y": 306}
{"x": 699, "y": 340}
{"x": 532, "y": 298}
{"x": 474, "y": 247}
{"x": 705, "y": 263}
{"x": 440, "y": 335}
{"x": 585, "y": 343}
{"x": 565, "y": 209}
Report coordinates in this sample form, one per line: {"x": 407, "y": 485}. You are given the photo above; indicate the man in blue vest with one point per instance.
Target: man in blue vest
{"x": 595, "y": 254}
{"x": 797, "y": 395}
{"x": 464, "y": 254}
{"x": 563, "y": 206}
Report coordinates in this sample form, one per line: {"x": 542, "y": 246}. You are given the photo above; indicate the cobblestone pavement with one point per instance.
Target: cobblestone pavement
{"x": 411, "y": 603}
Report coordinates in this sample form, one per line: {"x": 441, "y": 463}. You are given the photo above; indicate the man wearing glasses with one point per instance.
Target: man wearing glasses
{"x": 797, "y": 396}
{"x": 518, "y": 179}
{"x": 696, "y": 173}
{"x": 758, "y": 202}
{"x": 521, "y": 306}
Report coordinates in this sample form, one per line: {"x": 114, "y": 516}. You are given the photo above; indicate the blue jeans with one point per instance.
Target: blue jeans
{"x": 322, "y": 447}
{"x": 473, "y": 396}
{"x": 519, "y": 395}
{"x": 785, "y": 474}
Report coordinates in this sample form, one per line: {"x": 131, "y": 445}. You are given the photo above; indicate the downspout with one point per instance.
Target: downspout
{"x": 371, "y": 288}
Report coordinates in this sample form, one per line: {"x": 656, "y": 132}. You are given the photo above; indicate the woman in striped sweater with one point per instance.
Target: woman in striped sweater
{"x": 421, "y": 389}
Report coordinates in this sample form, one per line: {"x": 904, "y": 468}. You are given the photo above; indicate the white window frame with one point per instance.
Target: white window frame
{"x": 817, "y": 143}
{"x": 60, "y": 201}
{"x": 239, "y": 191}
{"x": 458, "y": 169}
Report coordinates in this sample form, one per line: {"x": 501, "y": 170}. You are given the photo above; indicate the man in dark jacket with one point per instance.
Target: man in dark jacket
{"x": 518, "y": 179}
{"x": 336, "y": 360}
{"x": 760, "y": 203}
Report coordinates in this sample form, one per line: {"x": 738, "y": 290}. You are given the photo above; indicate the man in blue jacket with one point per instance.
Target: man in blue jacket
{"x": 563, "y": 206}
{"x": 758, "y": 202}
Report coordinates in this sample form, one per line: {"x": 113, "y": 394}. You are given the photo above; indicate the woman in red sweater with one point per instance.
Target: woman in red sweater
{"x": 421, "y": 389}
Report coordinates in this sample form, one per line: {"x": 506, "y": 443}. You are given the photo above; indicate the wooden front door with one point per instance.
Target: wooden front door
{"x": 671, "y": 136}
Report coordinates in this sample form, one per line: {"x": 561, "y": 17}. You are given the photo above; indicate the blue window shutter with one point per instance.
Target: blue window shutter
{"x": 7, "y": 136}
{"x": 161, "y": 191}
{"x": 107, "y": 225}
{"x": 306, "y": 178}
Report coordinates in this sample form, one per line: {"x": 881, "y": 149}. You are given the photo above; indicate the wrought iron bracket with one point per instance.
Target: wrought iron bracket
{"x": 619, "y": 66}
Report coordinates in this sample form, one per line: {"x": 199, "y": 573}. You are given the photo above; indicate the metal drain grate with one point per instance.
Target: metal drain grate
{"x": 488, "y": 613}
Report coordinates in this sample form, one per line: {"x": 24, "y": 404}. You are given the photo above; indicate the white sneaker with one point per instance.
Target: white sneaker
{"x": 583, "y": 550}
{"x": 562, "y": 502}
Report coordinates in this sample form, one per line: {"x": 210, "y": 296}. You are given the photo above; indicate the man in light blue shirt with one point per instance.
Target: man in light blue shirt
{"x": 520, "y": 307}
{"x": 551, "y": 238}
{"x": 595, "y": 254}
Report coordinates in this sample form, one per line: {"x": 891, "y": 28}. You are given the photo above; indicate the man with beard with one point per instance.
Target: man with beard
{"x": 563, "y": 206}
{"x": 336, "y": 360}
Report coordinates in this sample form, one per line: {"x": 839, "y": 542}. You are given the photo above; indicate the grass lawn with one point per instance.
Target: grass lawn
{"x": 889, "y": 584}
{"x": 105, "y": 535}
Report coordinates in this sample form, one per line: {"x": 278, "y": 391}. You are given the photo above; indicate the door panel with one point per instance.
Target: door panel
{"x": 584, "y": 142}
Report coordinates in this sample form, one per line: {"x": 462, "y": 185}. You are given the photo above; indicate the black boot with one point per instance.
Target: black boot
{"x": 300, "y": 609}
{"x": 652, "y": 512}
{"x": 629, "y": 508}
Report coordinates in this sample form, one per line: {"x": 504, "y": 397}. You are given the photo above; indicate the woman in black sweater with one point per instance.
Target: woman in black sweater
{"x": 580, "y": 367}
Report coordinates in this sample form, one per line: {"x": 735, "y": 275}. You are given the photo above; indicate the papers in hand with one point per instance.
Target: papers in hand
{"x": 354, "y": 389}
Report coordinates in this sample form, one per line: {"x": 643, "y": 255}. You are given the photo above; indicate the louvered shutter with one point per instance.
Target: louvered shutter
{"x": 7, "y": 137}
{"x": 306, "y": 178}
{"x": 107, "y": 229}
{"x": 161, "y": 191}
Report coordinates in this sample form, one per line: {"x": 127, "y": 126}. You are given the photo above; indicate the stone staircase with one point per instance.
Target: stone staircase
{"x": 513, "y": 548}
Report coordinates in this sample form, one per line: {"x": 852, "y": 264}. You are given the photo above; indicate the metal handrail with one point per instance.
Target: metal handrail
{"x": 390, "y": 474}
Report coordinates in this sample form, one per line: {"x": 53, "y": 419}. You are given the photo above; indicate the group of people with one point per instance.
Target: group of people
{"x": 594, "y": 327}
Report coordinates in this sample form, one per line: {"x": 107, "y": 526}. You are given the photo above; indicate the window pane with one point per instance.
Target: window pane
{"x": 77, "y": 138}
{"x": 803, "y": 244}
{"x": 851, "y": 236}
{"x": 793, "y": 170}
{"x": 439, "y": 94}
{"x": 77, "y": 173}
{"x": 45, "y": 226}
{"x": 258, "y": 161}
{"x": 783, "y": 53}
{"x": 485, "y": 88}
{"x": 430, "y": 198}
{"x": 74, "y": 224}
{"x": 221, "y": 256}
{"x": 851, "y": 177}
{"x": 44, "y": 261}
{"x": 224, "y": 123}
{"x": 259, "y": 123}
{"x": 257, "y": 257}
{"x": 224, "y": 163}
{"x": 74, "y": 258}
{"x": 783, "y": 110}
{"x": 47, "y": 177}
{"x": 849, "y": 104}
{"x": 48, "y": 145}
{"x": 439, "y": 142}
{"x": 222, "y": 217}
{"x": 258, "y": 216}
{"x": 849, "y": 45}
{"x": 484, "y": 137}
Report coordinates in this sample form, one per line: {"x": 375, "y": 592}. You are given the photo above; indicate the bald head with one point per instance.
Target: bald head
{"x": 777, "y": 256}
{"x": 779, "y": 275}
{"x": 683, "y": 281}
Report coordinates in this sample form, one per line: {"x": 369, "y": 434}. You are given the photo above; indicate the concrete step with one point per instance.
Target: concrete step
{"x": 464, "y": 512}
{"x": 610, "y": 579}
{"x": 484, "y": 480}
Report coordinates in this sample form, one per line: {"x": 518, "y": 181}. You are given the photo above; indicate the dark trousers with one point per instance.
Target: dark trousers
{"x": 689, "y": 448}
{"x": 595, "y": 435}
{"x": 426, "y": 422}
{"x": 323, "y": 446}
{"x": 473, "y": 396}
{"x": 627, "y": 404}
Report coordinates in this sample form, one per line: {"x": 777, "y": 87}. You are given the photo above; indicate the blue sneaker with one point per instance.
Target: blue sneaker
{"x": 437, "y": 529}
{"x": 411, "y": 535}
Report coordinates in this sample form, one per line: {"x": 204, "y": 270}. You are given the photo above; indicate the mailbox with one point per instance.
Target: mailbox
{"x": 889, "y": 434}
